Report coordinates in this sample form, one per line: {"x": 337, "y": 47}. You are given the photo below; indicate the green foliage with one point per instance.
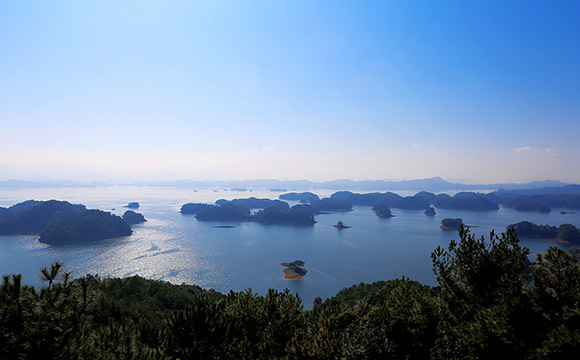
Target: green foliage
{"x": 490, "y": 302}
{"x": 88, "y": 225}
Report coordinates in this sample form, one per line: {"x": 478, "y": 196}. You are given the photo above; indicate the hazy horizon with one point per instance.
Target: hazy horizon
{"x": 473, "y": 92}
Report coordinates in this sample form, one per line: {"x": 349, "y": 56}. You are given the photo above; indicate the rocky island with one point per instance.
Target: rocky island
{"x": 430, "y": 211}
{"x": 339, "y": 225}
{"x": 294, "y": 270}
{"x": 132, "y": 217}
{"x": 132, "y": 205}
{"x": 451, "y": 224}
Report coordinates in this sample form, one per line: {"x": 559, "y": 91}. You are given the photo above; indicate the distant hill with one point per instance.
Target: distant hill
{"x": 24, "y": 184}
{"x": 429, "y": 184}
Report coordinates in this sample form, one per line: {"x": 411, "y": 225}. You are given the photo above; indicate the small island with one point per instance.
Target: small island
{"x": 382, "y": 210}
{"x": 294, "y": 270}
{"x": 430, "y": 211}
{"x": 339, "y": 225}
{"x": 132, "y": 205}
{"x": 132, "y": 217}
{"x": 451, "y": 224}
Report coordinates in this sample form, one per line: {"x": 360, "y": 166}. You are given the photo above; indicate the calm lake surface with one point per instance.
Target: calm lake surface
{"x": 179, "y": 249}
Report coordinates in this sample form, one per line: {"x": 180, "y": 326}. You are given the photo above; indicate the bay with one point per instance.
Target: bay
{"x": 179, "y": 249}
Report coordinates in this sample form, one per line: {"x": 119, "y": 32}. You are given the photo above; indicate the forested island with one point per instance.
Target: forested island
{"x": 382, "y": 210}
{"x": 451, "y": 224}
{"x": 304, "y": 197}
{"x": 565, "y": 232}
{"x": 131, "y": 217}
{"x": 489, "y": 302}
{"x": 60, "y": 222}
{"x": 231, "y": 211}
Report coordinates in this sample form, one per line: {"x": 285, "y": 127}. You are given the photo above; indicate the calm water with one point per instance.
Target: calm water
{"x": 179, "y": 249}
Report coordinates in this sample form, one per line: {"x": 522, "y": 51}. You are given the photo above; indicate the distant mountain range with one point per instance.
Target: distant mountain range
{"x": 429, "y": 184}
{"x": 25, "y": 184}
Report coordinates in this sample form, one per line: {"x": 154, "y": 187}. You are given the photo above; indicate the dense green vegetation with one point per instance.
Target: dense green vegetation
{"x": 490, "y": 302}
{"x": 30, "y": 217}
{"x": 229, "y": 211}
{"x": 274, "y": 215}
{"x": 328, "y": 204}
{"x": 86, "y": 226}
{"x": 60, "y": 222}
{"x": 451, "y": 224}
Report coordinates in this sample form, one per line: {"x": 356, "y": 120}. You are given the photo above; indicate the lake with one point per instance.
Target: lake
{"x": 179, "y": 249}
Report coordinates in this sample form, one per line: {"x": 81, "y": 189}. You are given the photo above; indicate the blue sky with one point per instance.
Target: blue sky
{"x": 477, "y": 91}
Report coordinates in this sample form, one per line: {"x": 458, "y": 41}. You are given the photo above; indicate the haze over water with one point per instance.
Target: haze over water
{"x": 180, "y": 249}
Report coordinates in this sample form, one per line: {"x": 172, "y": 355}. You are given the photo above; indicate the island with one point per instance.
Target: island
{"x": 30, "y": 217}
{"x": 430, "y": 211}
{"x": 193, "y": 208}
{"x": 567, "y": 212}
{"x": 540, "y": 202}
{"x": 339, "y": 225}
{"x": 328, "y": 204}
{"x": 467, "y": 201}
{"x": 566, "y": 233}
{"x": 254, "y": 203}
{"x": 132, "y": 205}
{"x": 86, "y": 226}
{"x": 225, "y": 212}
{"x": 306, "y": 208}
{"x": 278, "y": 190}
{"x": 382, "y": 210}
{"x": 132, "y": 217}
{"x": 451, "y": 224}
{"x": 303, "y": 197}
{"x": 294, "y": 270}
{"x": 388, "y": 198}
{"x": 274, "y": 215}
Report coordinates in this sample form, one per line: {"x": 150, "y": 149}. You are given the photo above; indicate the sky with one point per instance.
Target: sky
{"x": 472, "y": 91}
